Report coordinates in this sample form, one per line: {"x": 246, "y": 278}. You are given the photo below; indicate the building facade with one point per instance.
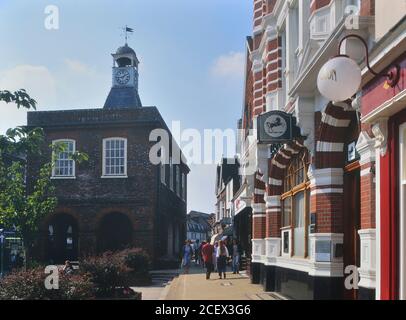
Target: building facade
{"x": 118, "y": 198}
{"x": 227, "y": 183}
{"x": 312, "y": 198}
{"x": 199, "y": 226}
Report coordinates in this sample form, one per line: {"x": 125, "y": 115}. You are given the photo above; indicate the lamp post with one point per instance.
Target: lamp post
{"x": 340, "y": 78}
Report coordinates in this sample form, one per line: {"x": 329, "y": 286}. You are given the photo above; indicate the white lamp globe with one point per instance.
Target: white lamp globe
{"x": 339, "y": 79}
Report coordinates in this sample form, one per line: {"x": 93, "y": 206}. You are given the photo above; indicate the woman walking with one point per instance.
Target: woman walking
{"x": 215, "y": 247}
{"x": 187, "y": 256}
{"x": 222, "y": 255}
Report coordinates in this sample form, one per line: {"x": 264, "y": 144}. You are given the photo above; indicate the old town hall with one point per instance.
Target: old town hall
{"x": 118, "y": 198}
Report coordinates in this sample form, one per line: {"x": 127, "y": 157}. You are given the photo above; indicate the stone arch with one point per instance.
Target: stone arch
{"x": 114, "y": 232}
{"x": 62, "y": 237}
{"x": 277, "y": 165}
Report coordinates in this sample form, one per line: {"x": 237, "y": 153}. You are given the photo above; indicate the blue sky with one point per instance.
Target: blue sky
{"x": 191, "y": 53}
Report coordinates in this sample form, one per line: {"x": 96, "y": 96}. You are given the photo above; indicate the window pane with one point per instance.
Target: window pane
{"x": 63, "y": 162}
{"x": 286, "y": 212}
{"x": 299, "y": 232}
{"x": 115, "y": 157}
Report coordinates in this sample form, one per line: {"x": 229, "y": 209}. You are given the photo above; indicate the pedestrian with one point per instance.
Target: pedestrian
{"x": 187, "y": 252}
{"x": 197, "y": 252}
{"x": 236, "y": 256}
{"x": 68, "y": 268}
{"x": 201, "y": 254}
{"x": 215, "y": 247}
{"x": 207, "y": 254}
{"x": 222, "y": 255}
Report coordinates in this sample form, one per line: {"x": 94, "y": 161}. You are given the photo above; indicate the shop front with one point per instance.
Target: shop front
{"x": 384, "y": 108}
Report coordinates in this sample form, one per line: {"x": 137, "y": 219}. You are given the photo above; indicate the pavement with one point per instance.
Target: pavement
{"x": 161, "y": 280}
{"x": 194, "y": 286}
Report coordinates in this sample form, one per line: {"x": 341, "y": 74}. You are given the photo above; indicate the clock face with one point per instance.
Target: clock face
{"x": 275, "y": 126}
{"x": 123, "y": 77}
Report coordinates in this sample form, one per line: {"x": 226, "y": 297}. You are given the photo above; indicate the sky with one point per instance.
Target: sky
{"x": 192, "y": 62}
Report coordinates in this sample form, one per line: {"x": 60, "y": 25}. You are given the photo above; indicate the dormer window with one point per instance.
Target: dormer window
{"x": 64, "y": 165}
{"x": 115, "y": 158}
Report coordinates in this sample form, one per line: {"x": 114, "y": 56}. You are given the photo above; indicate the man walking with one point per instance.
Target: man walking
{"x": 207, "y": 254}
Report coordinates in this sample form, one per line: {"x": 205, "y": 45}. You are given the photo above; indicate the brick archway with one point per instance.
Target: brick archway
{"x": 62, "y": 241}
{"x": 114, "y": 232}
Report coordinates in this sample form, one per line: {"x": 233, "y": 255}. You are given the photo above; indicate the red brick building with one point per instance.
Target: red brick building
{"x": 118, "y": 198}
{"x": 313, "y": 198}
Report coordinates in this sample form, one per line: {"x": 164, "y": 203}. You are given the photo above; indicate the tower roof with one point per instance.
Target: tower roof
{"x": 125, "y": 50}
{"x": 119, "y": 98}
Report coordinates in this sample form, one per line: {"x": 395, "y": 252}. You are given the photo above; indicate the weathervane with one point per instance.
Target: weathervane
{"x": 127, "y": 30}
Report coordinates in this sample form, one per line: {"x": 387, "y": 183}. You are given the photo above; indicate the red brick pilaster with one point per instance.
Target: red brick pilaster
{"x": 326, "y": 199}
{"x": 367, "y": 8}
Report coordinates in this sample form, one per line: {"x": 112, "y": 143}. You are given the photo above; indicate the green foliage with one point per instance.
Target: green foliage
{"x": 19, "y": 97}
{"x": 20, "y": 207}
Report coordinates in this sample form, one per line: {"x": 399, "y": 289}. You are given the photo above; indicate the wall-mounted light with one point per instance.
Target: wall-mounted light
{"x": 340, "y": 78}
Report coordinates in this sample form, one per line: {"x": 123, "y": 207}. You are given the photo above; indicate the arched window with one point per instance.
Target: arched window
{"x": 64, "y": 165}
{"x": 295, "y": 207}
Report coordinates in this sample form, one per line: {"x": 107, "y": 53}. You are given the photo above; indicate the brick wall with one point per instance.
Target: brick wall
{"x": 141, "y": 197}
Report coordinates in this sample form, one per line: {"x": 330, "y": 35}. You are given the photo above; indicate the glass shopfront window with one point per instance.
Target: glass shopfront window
{"x": 295, "y": 204}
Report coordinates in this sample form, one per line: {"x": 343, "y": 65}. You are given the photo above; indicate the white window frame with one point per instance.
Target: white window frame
{"x": 54, "y": 175}
{"x": 109, "y": 176}
{"x": 402, "y": 212}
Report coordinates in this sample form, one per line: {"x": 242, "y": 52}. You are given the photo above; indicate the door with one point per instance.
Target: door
{"x": 351, "y": 224}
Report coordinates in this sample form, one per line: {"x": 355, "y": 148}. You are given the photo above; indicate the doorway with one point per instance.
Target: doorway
{"x": 62, "y": 241}
{"x": 351, "y": 222}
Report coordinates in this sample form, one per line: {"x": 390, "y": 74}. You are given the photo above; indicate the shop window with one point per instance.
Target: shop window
{"x": 295, "y": 206}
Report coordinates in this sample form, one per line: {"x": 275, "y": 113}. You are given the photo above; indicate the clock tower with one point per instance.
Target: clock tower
{"x": 124, "y": 91}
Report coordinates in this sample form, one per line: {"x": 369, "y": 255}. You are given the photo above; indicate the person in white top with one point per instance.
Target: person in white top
{"x": 222, "y": 255}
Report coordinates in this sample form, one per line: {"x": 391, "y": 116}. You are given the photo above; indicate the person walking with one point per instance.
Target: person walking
{"x": 207, "y": 255}
{"x": 222, "y": 255}
{"x": 187, "y": 252}
{"x": 236, "y": 256}
{"x": 197, "y": 252}
{"x": 215, "y": 247}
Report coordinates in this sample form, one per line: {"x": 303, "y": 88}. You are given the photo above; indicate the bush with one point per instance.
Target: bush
{"x": 30, "y": 285}
{"x": 107, "y": 272}
{"x": 137, "y": 260}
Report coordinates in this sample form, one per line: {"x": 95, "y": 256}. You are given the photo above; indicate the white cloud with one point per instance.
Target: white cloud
{"x": 40, "y": 85}
{"x": 230, "y": 65}
{"x": 78, "y": 67}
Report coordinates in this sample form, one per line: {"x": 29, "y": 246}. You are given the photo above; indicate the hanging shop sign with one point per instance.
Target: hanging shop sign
{"x": 277, "y": 127}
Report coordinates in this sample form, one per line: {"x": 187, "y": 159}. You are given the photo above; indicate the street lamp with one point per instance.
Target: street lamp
{"x": 340, "y": 78}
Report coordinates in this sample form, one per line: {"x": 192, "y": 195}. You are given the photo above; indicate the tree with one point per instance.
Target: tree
{"x": 19, "y": 207}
